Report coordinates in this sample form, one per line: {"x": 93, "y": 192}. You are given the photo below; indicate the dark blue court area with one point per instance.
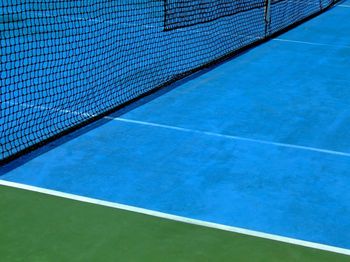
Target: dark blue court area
{"x": 260, "y": 142}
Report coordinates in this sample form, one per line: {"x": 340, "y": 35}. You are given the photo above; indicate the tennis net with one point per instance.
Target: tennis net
{"x": 66, "y": 63}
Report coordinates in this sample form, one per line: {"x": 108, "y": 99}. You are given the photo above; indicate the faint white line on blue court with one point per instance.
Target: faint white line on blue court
{"x": 309, "y": 43}
{"x": 238, "y": 138}
{"x": 319, "y": 150}
{"x": 347, "y": 6}
{"x": 177, "y": 218}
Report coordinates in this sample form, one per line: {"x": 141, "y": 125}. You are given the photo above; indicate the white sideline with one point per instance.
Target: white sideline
{"x": 238, "y": 138}
{"x": 308, "y": 43}
{"x": 319, "y": 150}
{"x": 178, "y": 218}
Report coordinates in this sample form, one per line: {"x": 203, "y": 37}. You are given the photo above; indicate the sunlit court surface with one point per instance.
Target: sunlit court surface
{"x": 175, "y": 131}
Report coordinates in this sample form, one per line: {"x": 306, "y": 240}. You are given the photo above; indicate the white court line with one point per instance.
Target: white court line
{"x": 238, "y": 138}
{"x": 346, "y": 6}
{"x": 308, "y": 43}
{"x": 178, "y": 218}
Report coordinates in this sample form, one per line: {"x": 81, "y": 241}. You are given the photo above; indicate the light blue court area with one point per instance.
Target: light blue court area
{"x": 261, "y": 142}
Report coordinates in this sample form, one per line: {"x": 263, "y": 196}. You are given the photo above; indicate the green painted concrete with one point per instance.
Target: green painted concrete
{"x": 38, "y": 227}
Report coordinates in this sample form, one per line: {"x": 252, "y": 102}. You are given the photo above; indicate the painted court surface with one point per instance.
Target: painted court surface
{"x": 257, "y": 145}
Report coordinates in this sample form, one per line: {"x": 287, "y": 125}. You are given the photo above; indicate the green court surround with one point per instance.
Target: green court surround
{"x": 38, "y": 227}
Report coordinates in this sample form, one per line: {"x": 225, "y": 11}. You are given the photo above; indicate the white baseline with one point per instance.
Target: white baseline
{"x": 178, "y": 218}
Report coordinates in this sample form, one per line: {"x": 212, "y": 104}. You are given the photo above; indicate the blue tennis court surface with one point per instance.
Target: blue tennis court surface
{"x": 260, "y": 142}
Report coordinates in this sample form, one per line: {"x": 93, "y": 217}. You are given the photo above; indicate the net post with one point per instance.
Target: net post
{"x": 268, "y": 12}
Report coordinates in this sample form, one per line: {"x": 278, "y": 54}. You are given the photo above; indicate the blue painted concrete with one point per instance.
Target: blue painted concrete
{"x": 282, "y": 191}
{"x": 331, "y": 28}
{"x": 281, "y": 92}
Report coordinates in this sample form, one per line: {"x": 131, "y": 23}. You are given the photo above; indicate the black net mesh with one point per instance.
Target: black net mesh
{"x": 185, "y": 13}
{"x": 64, "y": 63}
